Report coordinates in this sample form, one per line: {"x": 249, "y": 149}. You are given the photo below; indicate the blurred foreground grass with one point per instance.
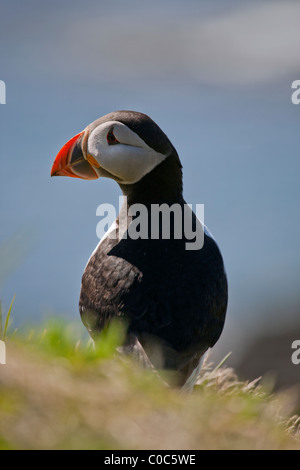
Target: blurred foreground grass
{"x": 59, "y": 392}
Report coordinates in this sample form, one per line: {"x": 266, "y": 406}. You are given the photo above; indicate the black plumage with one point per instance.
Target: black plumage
{"x": 172, "y": 298}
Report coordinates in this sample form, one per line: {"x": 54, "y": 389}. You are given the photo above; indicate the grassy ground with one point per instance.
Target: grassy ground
{"x": 58, "y": 392}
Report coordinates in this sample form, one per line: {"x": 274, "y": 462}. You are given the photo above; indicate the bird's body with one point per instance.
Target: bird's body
{"x": 173, "y": 299}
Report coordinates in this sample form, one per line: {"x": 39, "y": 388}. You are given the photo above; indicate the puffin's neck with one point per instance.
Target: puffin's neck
{"x": 161, "y": 185}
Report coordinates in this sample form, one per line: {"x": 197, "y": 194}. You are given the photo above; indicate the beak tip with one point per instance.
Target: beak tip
{"x": 54, "y": 171}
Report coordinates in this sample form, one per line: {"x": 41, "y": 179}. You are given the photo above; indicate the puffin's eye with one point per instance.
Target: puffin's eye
{"x": 111, "y": 140}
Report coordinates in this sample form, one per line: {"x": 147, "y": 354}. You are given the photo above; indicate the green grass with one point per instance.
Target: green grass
{"x": 3, "y": 330}
{"x": 58, "y": 391}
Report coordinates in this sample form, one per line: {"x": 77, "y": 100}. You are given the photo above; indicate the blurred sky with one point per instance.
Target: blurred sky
{"x": 216, "y": 76}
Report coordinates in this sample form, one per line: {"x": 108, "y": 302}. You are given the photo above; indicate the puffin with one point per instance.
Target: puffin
{"x": 171, "y": 293}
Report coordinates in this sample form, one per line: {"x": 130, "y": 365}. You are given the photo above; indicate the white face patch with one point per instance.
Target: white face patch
{"x": 129, "y": 160}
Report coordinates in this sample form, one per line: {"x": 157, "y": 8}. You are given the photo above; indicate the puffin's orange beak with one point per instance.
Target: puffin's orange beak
{"x": 70, "y": 160}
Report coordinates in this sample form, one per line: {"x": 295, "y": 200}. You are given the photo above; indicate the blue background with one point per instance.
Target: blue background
{"x": 216, "y": 76}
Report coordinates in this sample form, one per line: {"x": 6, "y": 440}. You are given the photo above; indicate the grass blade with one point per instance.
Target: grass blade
{"x": 7, "y": 318}
{"x": 222, "y": 362}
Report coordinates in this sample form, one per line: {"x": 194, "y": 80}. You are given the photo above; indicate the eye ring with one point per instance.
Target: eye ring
{"x": 111, "y": 139}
